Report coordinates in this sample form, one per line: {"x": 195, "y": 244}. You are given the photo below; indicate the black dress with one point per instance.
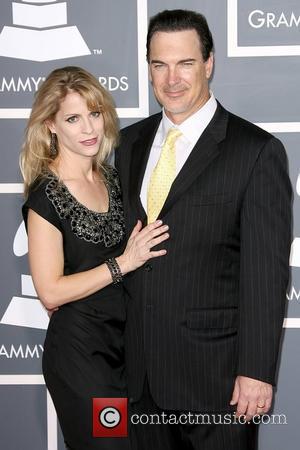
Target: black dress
{"x": 83, "y": 352}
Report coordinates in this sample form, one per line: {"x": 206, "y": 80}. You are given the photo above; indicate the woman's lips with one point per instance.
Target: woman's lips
{"x": 89, "y": 142}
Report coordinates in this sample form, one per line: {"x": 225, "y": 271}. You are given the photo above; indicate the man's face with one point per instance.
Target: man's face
{"x": 178, "y": 74}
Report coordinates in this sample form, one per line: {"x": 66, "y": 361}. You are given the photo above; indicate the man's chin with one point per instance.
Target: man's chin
{"x": 174, "y": 111}
{"x": 173, "y": 108}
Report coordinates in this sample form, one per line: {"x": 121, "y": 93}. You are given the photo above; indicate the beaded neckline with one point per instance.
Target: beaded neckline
{"x": 92, "y": 226}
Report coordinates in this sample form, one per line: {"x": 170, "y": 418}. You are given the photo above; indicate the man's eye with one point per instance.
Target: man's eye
{"x": 158, "y": 66}
{"x": 187, "y": 63}
{"x": 95, "y": 113}
{"x": 72, "y": 119}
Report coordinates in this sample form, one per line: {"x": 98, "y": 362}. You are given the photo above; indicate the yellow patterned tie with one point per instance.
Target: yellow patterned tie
{"x": 162, "y": 176}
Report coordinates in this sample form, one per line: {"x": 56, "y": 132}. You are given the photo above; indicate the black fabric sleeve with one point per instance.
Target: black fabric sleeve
{"x": 264, "y": 269}
{"x": 40, "y": 203}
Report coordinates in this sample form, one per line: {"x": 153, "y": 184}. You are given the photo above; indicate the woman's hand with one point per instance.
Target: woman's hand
{"x": 140, "y": 243}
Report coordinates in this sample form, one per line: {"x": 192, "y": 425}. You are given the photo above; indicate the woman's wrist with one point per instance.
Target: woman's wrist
{"x": 115, "y": 270}
{"x": 123, "y": 264}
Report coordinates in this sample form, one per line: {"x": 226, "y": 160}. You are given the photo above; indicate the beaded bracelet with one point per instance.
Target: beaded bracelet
{"x": 115, "y": 270}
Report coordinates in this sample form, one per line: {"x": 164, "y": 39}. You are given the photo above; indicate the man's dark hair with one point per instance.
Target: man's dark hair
{"x": 180, "y": 20}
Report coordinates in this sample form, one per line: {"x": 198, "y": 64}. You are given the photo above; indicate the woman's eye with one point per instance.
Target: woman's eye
{"x": 95, "y": 113}
{"x": 72, "y": 119}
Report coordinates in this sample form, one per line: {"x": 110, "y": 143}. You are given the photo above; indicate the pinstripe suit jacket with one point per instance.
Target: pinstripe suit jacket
{"x": 213, "y": 307}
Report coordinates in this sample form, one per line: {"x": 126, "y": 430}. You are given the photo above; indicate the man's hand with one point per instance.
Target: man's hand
{"x": 251, "y": 397}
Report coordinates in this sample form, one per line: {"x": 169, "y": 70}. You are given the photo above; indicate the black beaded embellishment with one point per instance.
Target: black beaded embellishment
{"x": 107, "y": 228}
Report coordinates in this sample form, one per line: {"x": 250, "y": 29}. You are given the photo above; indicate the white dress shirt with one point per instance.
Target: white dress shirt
{"x": 191, "y": 130}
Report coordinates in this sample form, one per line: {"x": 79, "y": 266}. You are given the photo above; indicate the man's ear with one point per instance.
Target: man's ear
{"x": 209, "y": 65}
{"x": 149, "y": 73}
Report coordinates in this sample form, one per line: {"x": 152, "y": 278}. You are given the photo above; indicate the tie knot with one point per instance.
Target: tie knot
{"x": 172, "y": 135}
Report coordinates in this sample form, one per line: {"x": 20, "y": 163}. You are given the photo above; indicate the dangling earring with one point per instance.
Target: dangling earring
{"x": 53, "y": 148}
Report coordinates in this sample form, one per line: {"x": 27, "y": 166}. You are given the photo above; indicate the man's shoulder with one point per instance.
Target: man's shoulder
{"x": 245, "y": 129}
{"x": 136, "y": 127}
{"x": 249, "y": 137}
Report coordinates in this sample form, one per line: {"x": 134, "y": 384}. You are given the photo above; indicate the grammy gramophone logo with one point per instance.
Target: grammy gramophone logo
{"x": 25, "y": 310}
{"x": 40, "y": 32}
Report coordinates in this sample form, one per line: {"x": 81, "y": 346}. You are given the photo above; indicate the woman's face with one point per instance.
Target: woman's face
{"x": 78, "y": 130}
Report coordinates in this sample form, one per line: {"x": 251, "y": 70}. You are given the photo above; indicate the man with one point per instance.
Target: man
{"x": 204, "y": 321}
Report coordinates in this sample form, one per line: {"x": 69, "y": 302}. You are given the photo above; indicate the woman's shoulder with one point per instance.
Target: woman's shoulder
{"x": 41, "y": 198}
{"x": 110, "y": 171}
{"x": 111, "y": 175}
{"x": 38, "y": 188}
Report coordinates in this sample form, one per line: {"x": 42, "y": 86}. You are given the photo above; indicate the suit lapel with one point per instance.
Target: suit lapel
{"x": 205, "y": 151}
{"x": 139, "y": 157}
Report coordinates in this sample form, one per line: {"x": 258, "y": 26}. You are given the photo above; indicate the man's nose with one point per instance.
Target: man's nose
{"x": 173, "y": 76}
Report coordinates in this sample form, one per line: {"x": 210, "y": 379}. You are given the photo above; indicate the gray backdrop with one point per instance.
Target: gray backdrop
{"x": 256, "y": 76}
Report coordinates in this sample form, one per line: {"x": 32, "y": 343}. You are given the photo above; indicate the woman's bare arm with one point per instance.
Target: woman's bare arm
{"x": 46, "y": 259}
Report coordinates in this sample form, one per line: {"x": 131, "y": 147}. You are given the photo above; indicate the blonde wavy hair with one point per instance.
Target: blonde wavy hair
{"x": 36, "y": 156}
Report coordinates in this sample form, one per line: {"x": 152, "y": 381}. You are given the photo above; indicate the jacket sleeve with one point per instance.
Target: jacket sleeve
{"x": 264, "y": 264}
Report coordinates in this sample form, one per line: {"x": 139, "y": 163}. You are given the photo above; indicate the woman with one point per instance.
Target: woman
{"x": 75, "y": 225}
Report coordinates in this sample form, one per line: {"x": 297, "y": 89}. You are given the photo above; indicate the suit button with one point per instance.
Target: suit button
{"x": 148, "y": 306}
{"x": 148, "y": 267}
